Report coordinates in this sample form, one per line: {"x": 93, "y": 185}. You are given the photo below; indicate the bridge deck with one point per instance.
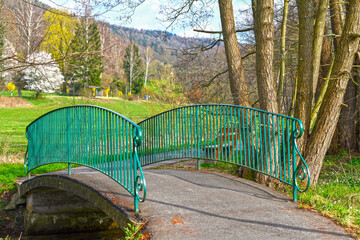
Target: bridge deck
{"x": 199, "y": 205}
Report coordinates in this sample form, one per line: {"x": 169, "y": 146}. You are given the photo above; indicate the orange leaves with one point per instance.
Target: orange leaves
{"x": 177, "y": 220}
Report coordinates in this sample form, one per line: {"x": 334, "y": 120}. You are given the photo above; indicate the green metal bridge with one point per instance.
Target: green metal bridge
{"x": 116, "y": 146}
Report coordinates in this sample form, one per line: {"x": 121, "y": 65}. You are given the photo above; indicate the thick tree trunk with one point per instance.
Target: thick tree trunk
{"x": 236, "y": 70}
{"x": 349, "y": 116}
{"x": 264, "y": 36}
{"x": 347, "y": 121}
{"x": 328, "y": 117}
{"x": 336, "y": 22}
{"x": 304, "y": 96}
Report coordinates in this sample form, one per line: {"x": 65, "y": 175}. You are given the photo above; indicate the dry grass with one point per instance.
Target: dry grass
{"x": 12, "y": 102}
{"x": 6, "y": 157}
{"x": 12, "y": 158}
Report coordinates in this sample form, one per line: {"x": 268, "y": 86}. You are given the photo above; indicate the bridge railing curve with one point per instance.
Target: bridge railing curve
{"x": 248, "y": 137}
{"x": 91, "y": 136}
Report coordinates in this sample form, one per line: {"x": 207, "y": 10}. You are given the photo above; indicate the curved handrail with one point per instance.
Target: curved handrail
{"x": 114, "y": 145}
{"x": 91, "y": 136}
{"x": 213, "y": 104}
{"x": 248, "y": 137}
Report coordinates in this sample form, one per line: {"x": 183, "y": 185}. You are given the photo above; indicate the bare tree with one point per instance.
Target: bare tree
{"x": 29, "y": 26}
{"x": 148, "y": 58}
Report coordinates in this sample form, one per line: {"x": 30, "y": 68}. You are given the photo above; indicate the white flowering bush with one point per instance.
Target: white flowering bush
{"x": 43, "y": 74}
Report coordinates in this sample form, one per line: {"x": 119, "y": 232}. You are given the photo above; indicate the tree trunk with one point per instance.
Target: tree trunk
{"x": 280, "y": 91}
{"x": 236, "y": 70}
{"x": 336, "y": 22}
{"x": 304, "y": 96}
{"x": 349, "y": 116}
{"x": 347, "y": 121}
{"x": 325, "y": 62}
{"x": 328, "y": 117}
{"x": 320, "y": 24}
{"x": 264, "y": 36}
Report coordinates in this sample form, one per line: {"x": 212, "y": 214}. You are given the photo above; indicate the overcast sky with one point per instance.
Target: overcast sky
{"x": 147, "y": 16}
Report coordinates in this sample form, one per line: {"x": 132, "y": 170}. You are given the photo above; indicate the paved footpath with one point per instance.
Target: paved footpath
{"x": 184, "y": 205}
{"x": 196, "y": 205}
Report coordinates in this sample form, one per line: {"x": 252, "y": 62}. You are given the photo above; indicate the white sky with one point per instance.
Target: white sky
{"x": 147, "y": 16}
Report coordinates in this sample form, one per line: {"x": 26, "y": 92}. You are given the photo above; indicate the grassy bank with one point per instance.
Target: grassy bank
{"x": 13, "y": 120}
{"x": 337, "y": 195}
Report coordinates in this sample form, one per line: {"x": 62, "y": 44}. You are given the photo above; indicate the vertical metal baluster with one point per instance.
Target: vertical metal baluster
{"x": 283, "y": 149}
{"x": 248, "y": 138}
{"x": 122, "y": 156}
{"x": 270, "y": 148}
{"x": 227, "y": 133}
{"x": 265, "y": 142}
{"x": 68, "y": 138}
{"x": 288, "y": 148}
{"x": 244, "y": 129}
{"x": 274, "y": 142}
{"x": 294, "y": 161}
{"x": 261, "y": 144}
{"x": 117, "y": 145}
{"x": 279, "y": 147}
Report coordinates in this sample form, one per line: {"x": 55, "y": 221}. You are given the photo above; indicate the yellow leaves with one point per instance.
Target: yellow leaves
{"x": 93, "y": 91}
{"x": 120, "y": 93}
{"x": 10, "y": 86}
{"x": 59, "y": 32}
{"x": 106, "y": 91}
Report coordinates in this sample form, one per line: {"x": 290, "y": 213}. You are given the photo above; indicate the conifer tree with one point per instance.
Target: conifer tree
{"x": 86, "y": 64}
{"x": 133, "y": 67}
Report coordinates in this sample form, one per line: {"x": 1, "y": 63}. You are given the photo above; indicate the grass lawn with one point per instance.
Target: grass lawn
{"x": 13, "y": 120}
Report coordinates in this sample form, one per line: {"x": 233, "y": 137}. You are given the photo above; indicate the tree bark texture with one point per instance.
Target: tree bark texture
{"x": 347, "y": 120}
{"x": 336, "y": 22}
{"x": 329, "y": 113}
{"x": 280, "y": 91}
{"x": 264, "y": 36}
{"x": 348, "y": 138}
{"x": 304, "y": 96}
{"x": 320, "y": 24}
{"x": 238, "y": 85}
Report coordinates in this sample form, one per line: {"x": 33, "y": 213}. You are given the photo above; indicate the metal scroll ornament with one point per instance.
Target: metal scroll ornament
{"x": 302, "y": 170}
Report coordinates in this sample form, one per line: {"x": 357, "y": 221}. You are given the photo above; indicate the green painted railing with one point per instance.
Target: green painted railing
{"x": 91, "y": 136}
{"x": 251, "y": 138}
{"x": 114, "y": 145}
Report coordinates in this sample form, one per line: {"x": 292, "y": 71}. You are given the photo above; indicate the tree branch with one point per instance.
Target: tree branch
{"x": 247, "y": 55}
{"x": 219, "y": 32}
{"x": 204, "y": 48}
{"x": 213, "y": 78}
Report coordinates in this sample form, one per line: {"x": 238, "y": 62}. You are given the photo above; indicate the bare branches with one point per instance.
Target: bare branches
{"x": 213, "y": 78}
{"x": 220, "y": 32}
{"x": 203, "y": 48}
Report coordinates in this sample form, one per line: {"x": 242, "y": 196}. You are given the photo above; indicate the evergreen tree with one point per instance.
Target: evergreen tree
{"x": 86, "y": 64}
{"x": 133, "y": 68}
